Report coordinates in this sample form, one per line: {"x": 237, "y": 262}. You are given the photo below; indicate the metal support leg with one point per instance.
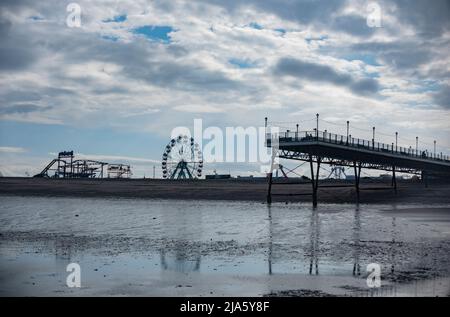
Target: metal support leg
{"x": 313, "y": 182}
{"x": 269, "y": 258}
{"x": 317, "y": 177}
{"x": 269, "y": 191}
{"x": 394, "y": 180}
{"x": 359, "y": 175}
{"x": 357, "y": 178}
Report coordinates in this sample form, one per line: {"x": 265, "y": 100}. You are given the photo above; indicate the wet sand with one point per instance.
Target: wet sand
{"x": 233, "y": 189}
{"x": 209, "y": 248}
{"x": 121, "y": 268}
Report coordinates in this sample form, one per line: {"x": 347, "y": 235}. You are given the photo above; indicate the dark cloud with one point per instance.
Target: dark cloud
{"x": 156, "y": 64}
{"x": 352, "y": 24}
{"x": 316, "y": 72}
{"x": 15, "y": 58}
{"x": 442, "y": 98}
{"x": 429, "y": 18}
{"x": 183, "y": 76}
{"x": 23, "y": 108}
{"x": 402, "y": 56}
{"x": 109, "y": 90}
{"x": 175, "y": 67}
{"x": 26, "y": 94}
{"x": 19, "y": 96}
{"x": 15, "y": 52}
{"x": 322, "y": 73}
{"x": 15, "y": 4}
{"x": 365, "y": 86}
{"x": 302, "y": 11}
{"x": 153, "y": 63}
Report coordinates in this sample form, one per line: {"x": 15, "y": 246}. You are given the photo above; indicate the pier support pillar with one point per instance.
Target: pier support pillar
{"x": 357, "y": 178}
{"x": 269, "y": 190}
{"x": 425, "y": 178}
{"x": 314, "y": 195}
{"x": 314, "y": 179}
{"x": 394, "y": 180}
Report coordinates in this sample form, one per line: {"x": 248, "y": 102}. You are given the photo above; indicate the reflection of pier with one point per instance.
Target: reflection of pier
{"x": 356, "y": 242}
{"x": 313, "y": 248}
{"x": 314, "y": 242}
{"x": 269, "y": 259}
{"x": 392, "y": 250}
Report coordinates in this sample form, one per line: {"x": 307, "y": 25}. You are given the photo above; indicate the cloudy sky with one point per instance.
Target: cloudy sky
{"x": 115, "y": 87}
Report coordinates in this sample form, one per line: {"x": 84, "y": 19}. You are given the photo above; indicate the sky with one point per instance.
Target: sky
{"x": 114, "y": 88}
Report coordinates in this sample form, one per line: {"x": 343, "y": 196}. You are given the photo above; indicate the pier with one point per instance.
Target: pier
{"x": 321, "y": 147}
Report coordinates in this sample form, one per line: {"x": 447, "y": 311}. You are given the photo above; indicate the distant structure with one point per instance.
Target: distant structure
{"x": 119, "y": 171}
{"x": 182, "y": 159}
{"x": 66, "y": 166}
{"x": 337, "y": 172}
{"x": 215, "y": 175}
{"x": 218, "y": 176}
{"x": 246, "y": 177}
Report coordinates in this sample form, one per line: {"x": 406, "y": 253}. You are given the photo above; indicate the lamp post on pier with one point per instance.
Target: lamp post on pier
{"x": 348, "y": 127}
{"x": 373, "y": 137}
{"x": 434, "y": 148}
{"x": 396, "y": 139}
{"x": 317, "y": 125}
{"x": 417, "y": 145}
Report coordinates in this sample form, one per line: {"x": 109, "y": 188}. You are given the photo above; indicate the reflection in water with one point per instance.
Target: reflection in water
{"x": 182, "y": 235}
{"x": 270, "y": 238}
{"x": 314, "y": 242}
{"x": 178, "y": 261}
{"x": 392, "y": 249}
{"x": 356, "y": 241}
{"x": 63, "y": 254}
{"x": 313, "y": 248}
{"x": 182, "y": 229}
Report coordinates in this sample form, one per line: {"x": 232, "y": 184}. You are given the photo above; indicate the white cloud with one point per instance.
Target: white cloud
{"x": 12, "y": 149}
{"x": 199, "y": 109}
{"x": 115, "y": 158}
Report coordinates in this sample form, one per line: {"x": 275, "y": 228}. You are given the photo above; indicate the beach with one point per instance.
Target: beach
{"x": 409, "y": 191}
{"x": 187, "y": 247}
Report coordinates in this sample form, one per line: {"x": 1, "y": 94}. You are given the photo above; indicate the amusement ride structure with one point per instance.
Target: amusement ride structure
{"x": 182, "y": 159}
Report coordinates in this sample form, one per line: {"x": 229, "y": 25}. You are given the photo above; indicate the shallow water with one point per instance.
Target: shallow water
{"x": 167, "y": 247}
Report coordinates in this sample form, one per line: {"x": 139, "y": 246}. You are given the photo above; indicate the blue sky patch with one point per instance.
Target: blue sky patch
{"x": 117, "y": 18}
{"x": 255, "y": 25}
{"x": 82, "y": 140}
{"x": 241, "y": 63}
{"x": 427, "y": 86}
{"x": 320, "y": 38}
{"x": 155, "y": 33}
{"x": 110, "y": 38}
{"x": 368, "y": 59}
{"x": 36, "y": 18}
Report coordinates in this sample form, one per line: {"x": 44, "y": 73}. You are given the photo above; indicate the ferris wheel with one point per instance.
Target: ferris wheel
{"x": 182, "y": 159}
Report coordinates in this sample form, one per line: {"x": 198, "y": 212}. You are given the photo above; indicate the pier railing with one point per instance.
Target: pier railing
{"x": 351, "y": 142}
